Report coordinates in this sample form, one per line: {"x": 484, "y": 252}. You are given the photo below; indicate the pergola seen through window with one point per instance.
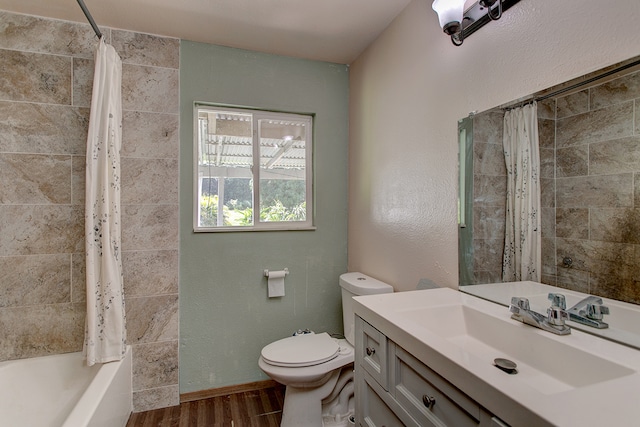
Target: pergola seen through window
{"x": 253, "y": 170}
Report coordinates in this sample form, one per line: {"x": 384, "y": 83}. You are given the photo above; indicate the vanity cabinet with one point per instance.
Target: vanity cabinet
{"x": 393, "y": 388}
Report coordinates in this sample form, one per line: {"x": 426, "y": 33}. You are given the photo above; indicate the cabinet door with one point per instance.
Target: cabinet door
{"x": 371, "y": 351}
{"x": 428, "y": 397}
{"x": 375, "y": 412}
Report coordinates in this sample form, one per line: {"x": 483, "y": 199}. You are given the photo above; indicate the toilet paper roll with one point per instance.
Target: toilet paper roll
{"x": 275, "y": 281}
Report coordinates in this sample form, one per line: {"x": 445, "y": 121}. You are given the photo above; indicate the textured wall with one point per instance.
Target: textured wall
{"x": 407, "y": 92}
{"x": 225, "y": 315}
{"x": 45, "y": 96}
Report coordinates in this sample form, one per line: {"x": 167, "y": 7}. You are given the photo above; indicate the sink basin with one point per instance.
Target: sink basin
{"x": 544, "y": 361}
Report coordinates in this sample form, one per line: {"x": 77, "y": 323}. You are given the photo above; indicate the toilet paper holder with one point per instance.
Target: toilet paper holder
{"x": 266, "y": 272}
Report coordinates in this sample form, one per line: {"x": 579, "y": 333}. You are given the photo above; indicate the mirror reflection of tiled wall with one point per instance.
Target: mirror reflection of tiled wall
{"x": 597, "y": 210}
{"x": 489, "y": 203}
{"x": 590, "y": 175}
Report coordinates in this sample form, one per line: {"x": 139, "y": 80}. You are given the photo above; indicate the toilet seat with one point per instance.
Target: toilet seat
{"x": 301, "y": 350}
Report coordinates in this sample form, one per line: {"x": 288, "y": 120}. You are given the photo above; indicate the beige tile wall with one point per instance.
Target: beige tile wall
{"x": 590, "y": 176}
{"x": 45, "y": 96}
{"x": 489, "y": 203}
{"x": 596, "y": 198}
{"x": 547, "y": 135}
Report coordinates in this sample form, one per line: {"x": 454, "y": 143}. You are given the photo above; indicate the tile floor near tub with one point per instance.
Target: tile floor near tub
{"x": 260, "y": 408}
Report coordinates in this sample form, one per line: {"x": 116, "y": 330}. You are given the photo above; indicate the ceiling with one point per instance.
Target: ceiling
{"x": 328, "y": 30}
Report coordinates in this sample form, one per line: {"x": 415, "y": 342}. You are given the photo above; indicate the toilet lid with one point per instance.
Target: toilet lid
{"x": 301, "y": 350}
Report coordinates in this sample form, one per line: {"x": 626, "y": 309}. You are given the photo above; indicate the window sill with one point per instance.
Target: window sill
{"x": 245, "y": 229}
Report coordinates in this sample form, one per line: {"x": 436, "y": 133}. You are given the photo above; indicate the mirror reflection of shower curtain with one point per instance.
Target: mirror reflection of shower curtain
{"x": 105, "y": 332}
{"x": 522, "y": 245}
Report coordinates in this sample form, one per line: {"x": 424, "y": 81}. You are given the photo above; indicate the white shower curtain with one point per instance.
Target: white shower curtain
{"x": 105, "y": 332}
{"x": 522, "y": 251}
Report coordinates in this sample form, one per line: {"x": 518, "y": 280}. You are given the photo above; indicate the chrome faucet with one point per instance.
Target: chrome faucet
{"x": 553, "y": 322}
{"x": 589, "y": 312}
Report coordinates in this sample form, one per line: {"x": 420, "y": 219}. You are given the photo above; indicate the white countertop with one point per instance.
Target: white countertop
{"x": 517, "y": 399}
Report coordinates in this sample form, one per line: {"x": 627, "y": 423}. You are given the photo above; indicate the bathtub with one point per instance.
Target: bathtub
{"x": 60, "y": 390}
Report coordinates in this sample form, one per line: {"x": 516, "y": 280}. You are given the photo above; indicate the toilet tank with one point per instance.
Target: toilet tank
{"x": 355, "y": 284}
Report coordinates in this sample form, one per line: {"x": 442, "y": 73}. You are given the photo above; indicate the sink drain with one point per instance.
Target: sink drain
{"x": 505, "y": 365}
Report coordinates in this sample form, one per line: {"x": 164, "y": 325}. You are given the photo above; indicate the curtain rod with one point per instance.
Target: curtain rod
{"x": 574, "y": 86}
{"x": 590, "y": 80}
{"x": 90, "y": 18}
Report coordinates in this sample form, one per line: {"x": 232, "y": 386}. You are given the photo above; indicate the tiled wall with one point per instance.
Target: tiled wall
{"x": 597, "y": 191}
{"x": 590, "y": 178}
{"x": 547, "y": 135}
{"x": 489, "y": 203}
{"x": 45, "y": 96}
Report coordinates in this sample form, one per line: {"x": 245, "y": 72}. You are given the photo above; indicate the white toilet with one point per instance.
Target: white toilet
{"x": 318, "y": 369}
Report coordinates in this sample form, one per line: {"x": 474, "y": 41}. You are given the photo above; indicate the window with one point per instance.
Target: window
{"x": 231, "y": 194}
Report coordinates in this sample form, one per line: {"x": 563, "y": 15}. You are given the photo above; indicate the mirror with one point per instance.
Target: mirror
{"x": 589, "y": 133}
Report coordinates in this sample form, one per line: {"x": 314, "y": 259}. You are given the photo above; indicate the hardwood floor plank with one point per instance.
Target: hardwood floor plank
{"x": 223, "y": 412}
{"x": 257, "y": 408}
{"x": 185, "y": 414}
{"x": 278, "y": 394}
{"x": 155, "y": 419}
{"x": 234, "y": 406}
{"x": 203, "y": 409}
{"x": 255, "y": 405}
{"x": 173, "y": 417}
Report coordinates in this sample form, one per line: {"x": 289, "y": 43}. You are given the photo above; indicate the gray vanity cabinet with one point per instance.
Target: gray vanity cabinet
{"x": 393, "y": 388}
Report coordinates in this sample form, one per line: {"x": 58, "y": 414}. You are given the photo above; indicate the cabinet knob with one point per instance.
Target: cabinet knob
{"x": 428, "y": 401}
{"x": 371, "y": 351}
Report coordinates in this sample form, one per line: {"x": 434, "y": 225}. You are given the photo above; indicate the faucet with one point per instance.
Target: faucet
{"x": 589, "y": 312}
{"x": 553, "y": 322}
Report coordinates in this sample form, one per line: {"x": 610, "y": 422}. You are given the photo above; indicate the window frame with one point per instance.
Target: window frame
{"x": 257, "y": 115}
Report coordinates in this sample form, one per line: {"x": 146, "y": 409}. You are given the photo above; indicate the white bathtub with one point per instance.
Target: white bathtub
{"x": 60, "y": 390}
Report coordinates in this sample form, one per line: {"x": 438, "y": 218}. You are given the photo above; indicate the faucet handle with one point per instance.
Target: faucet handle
{"x": 557, "y": 300}
{"x": 518, "y": 303}
{"x": 595, "y": 311}
{"x": 557, "y": 315}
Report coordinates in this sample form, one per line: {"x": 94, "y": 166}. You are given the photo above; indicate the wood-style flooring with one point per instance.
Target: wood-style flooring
{"x": 259, "y": 408}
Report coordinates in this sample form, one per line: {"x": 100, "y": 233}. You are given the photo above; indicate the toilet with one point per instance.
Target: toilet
{"x": 316, "y": 368}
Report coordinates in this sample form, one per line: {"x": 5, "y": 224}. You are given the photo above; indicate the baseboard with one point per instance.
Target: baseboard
{"x": 223, "y": 391}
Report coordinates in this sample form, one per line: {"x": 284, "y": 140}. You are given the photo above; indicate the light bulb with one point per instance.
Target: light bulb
{"x": 449, "y": 14}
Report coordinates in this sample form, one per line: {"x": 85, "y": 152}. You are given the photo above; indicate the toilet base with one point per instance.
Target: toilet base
{"x": 330, "y": 405}
{"x": 338, "y": 408}
{"x": 303, "y": 406}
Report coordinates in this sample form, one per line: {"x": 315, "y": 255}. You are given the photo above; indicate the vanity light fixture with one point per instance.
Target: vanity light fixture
{"x": 460, "y": 24}
{"x": 450, "y": 15}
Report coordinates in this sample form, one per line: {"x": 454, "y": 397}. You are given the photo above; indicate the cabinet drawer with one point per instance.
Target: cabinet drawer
{"x": 375, "y": 411}
{"x": 428, "y": 397}
{"x": 371, "y": 344}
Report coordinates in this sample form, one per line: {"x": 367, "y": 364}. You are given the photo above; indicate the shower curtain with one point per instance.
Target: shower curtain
{"x": 522, "y": 242}
{"x": 105, "y": 332}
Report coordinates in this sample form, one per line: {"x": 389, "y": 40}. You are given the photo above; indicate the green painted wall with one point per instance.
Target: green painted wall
{"x": 225, "y": 315}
